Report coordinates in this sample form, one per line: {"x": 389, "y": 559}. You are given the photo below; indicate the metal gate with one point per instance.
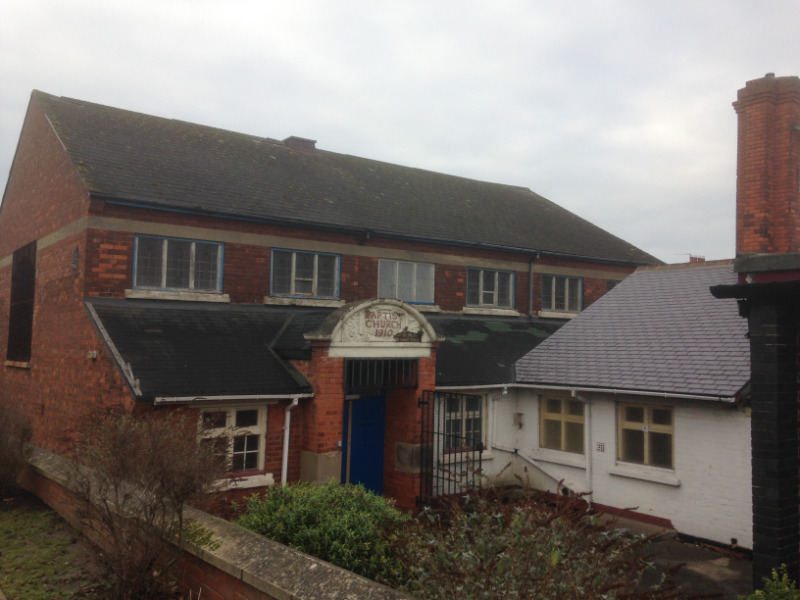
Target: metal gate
{"x": 452, "y": 443}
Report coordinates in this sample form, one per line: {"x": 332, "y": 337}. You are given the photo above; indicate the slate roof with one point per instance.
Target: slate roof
{"x": 660, "y": 331}
{"x": 175, "y": 165}
{"x": 482, "y": 350}
{"x": 196, "y": 349}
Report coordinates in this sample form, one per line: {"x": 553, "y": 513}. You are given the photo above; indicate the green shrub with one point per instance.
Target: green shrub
{"x": 342, "y": 524}
{"x": 778, "y": 587}
{"x": 487, "y": 548}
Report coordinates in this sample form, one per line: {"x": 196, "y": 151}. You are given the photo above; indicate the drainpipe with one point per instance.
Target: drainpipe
{"x": 287, "y": 421}
{"x": 530, "y": 283}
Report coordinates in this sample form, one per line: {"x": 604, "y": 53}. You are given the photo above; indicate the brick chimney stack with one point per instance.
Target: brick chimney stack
{"x": 768, "y": 166}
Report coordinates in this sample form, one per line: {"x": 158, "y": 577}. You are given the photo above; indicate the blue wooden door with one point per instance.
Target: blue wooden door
{"x": 364, "y": 426}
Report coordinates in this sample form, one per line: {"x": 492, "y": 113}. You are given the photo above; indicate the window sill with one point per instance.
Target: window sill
{"x": 652, "y": 474}
{"x": 554, "y": 314}
{"x": 486, "y": 310}
{"x": 18, "y": 364}
{"x": 186, "y": 296}
{"x": 303, "y": 302}
{"x": 567, "y": 459}
{"x": 244, "y": 482}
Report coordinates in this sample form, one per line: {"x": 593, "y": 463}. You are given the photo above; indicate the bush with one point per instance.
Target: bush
{"x": 778, "y": 587}
{"x": 483, "y": 547}
{"x": 132, "y": 480}
{"x": 15, "y": 433}
{"x": 342, "y": 524}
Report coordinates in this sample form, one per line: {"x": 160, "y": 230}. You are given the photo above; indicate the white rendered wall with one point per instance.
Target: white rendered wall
{"x": 707, "y": 495}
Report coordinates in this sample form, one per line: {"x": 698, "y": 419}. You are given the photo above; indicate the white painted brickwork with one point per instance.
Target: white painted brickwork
{"x": 707, "y": 495}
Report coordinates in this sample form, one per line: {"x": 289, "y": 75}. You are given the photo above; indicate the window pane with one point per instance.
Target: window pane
{"x": 148, "y": 261}
{"x": 303, "y": 274}
{"x": 406, "y": 274}
{"x": 425, "y": 283}
{"x": 504, "y": 289}
{"x": 178, "y": 259}
{"x": 489, "y": 283}
{"x": 453, "y": 407}
{"x": 660, "y": 450}
{"x": 473, "y": 287}
{"x": 547, "y": 292}
{"x": 473, "y": 403}
{"x": 553, "y": 406}
{"x": 214, "y": 420}
{"x": 662, "y": 416}
{"x": 387, "y": 279}
{"x": 247, "y": 418}
{"x": 575, "y": 408}
{"x": 633, "y": 446}
{"x": 634, "y": 414}
{"x": 559, "y": 301}
{"x": 281, "y": 272}
{"x": 574, "y": 437}
{"x": 552, "y": 434}
{"x": 327, "y": 268}
{"x": 206, "y": 264}
{"x": 573, "y": 294}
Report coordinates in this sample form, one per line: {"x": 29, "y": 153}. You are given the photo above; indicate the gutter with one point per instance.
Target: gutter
{"x": 164, "y": 400}
{"x": 362, "y": 232}
{"x": 593, "y": 390}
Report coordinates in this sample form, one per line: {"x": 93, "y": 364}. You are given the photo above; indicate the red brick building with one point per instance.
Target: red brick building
{"x": 300, "y": 300}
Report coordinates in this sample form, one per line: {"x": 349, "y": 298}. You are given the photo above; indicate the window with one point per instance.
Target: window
{"x": 490, "y": 288}
{"x": 20, "y": 319}
{"x": 408, "y": 281}
{"x": 463, "y": 423}
{"x": 305, "y": 274}
{"x": 174, "y": 264}
{"x": 562, "y": 294}
{"x": 561, "y": 424}
{"x": 645, "y": 435}
{"x": 239, "y": 433}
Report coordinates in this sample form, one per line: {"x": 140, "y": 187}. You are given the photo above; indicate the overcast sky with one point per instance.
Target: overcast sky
{"x": 618, "y": 110}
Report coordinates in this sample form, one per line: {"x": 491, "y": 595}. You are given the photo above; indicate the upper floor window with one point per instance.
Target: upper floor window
{"x": 490, "y": 288}
{"x": 645, "y": 435}
{"x": 408, "y": 281}
{"x": 562, "y": 294}
{"x": 561, "y": 424}
{"x": 177, "y": 264}
{"x": 20, "y": 317}
{"x": 305, "y": 274}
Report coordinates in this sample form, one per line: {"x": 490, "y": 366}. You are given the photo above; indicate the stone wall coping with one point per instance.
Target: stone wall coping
{"x": 272, "y": 568}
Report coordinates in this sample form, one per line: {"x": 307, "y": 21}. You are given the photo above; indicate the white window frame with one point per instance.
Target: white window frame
{"x": 563, "y": 417}
{"x": 389, "y": 270}
{"x": 191, "y": 266}
{"x": 647, "y": 426}
{"x": 293, "y": 291}
{"x": 490, "y": 298}
{"x": 251, "y": 477}
{"x": 572, "y": 299}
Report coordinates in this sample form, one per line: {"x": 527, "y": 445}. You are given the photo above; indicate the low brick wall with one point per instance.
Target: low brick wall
{"x": 245, "y": 566}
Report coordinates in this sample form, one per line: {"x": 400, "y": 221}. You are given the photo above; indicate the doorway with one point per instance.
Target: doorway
{"x": 363, "y": 441}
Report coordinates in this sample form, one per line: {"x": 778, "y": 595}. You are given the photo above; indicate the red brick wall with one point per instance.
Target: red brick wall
{"x": 323, "y": 414}
{"x": 767, "y": 202}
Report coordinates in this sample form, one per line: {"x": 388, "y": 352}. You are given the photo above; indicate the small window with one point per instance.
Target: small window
{"x": 175, "y": 264}
{"x": 305, "y": 274}
{"x": 20, "y": 318}
{"x": 407, "y": 281}
{"x": 561, "y": 424}
{"x": 646, "y": 435}
{"x": 562, "y": 294}
{"x": 463, "y": 424}
{"x": 239, "y": 433}
{"x": 490, "y": 288}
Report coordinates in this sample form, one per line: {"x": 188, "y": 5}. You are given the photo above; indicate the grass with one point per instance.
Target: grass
{"x": 42, "y": 557}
